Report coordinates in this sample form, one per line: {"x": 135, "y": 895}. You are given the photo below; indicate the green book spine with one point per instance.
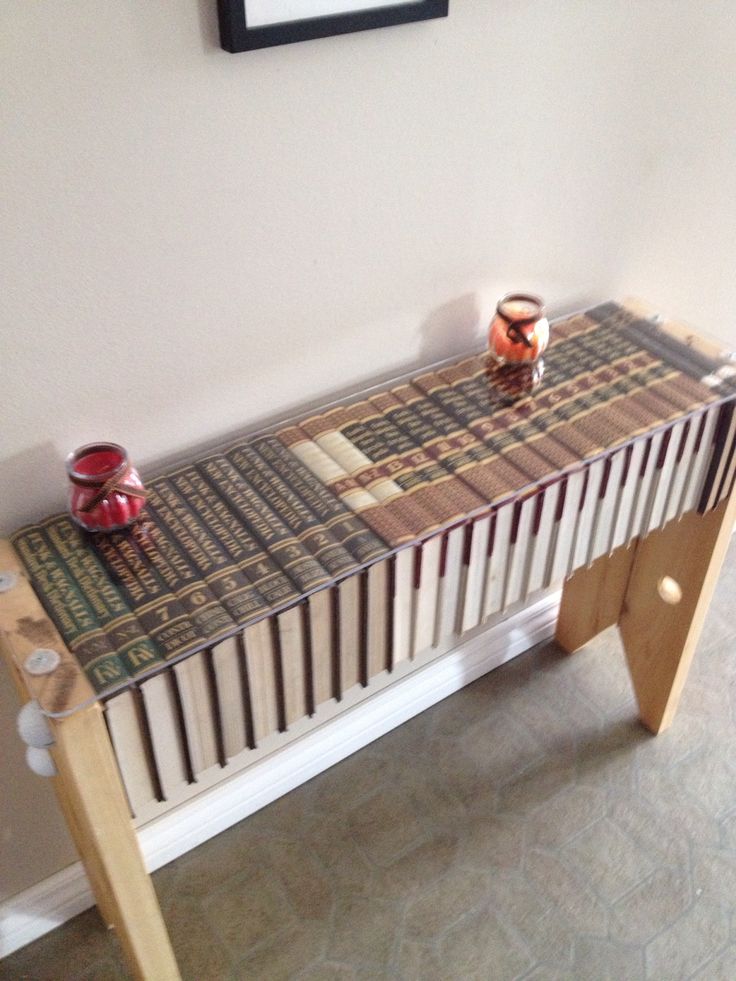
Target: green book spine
{"x": 264, "y": 524}
{"x": 135, "y": 648}
{"x": 159, "y": 611}
{"x": 346, "y": 526}
{"x": 238, "y": 596}
{"x": 300, "y": 520}
{"x": 198, "y": 600}
{"x": 69, "y": 610}
{"x": 256, "y": 564}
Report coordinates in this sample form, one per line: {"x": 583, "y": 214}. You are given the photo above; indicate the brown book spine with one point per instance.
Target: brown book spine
{"x": 529, "y": 461}
{"x": 377, "y": 479}
{"x": 453, "y": 445}
{"x": 448, "y": 497}
{"x": 380, "y": 459}
{"x": 418, "y": 475}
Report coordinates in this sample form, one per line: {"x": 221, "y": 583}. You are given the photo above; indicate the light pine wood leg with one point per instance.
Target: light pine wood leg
{"x": 592, "y": 598}
{"x": 660, "y": 635}
{"x": 94, "y": 802}
{"x": 88, "y": 784}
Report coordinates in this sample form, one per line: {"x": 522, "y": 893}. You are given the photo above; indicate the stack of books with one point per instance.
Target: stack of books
{"x": 283, "y": 572}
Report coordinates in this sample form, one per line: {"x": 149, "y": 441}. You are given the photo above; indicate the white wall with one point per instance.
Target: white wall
{"x": 195, "y": 240}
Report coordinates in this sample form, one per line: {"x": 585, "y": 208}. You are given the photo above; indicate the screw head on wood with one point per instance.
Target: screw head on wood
{"x": 42, "y": 661}
{"x": 7, "y": 581}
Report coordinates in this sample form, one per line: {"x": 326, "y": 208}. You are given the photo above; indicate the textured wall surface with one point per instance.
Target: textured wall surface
{"x": 193, "y": 241}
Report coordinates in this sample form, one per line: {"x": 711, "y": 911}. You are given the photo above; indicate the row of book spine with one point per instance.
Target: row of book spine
{"x": 294, "y": 566}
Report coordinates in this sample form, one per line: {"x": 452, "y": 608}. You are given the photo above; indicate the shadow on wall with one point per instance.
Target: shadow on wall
{"x": 32, "y": 484}
{"x": 208, "y": 23}
{"x": 450, "y": 329}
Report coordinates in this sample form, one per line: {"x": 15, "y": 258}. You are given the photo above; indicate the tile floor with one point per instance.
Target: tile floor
{"x": 526, "y": 828}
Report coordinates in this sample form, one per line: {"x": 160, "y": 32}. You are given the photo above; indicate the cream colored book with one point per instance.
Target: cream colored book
{"x": 169, "y": 747}
{"x": 497, "y": 564}
{"x": 449, "y": 584}
{"x": 261, "y": 674}
{"x": 126, "y": 730}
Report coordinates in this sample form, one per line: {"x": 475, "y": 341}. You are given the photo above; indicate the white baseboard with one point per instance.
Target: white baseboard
{"x": 37, "y": 910}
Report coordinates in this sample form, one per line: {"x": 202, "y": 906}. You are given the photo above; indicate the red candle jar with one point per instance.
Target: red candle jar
{"x": 519, "y": 332}
{"x": 106, "y": 491}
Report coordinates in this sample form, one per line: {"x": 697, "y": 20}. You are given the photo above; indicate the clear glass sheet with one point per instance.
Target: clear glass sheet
{"x": 672, "y": 371}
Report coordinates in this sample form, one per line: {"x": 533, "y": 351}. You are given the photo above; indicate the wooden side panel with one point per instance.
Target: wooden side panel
{"x": 660, "y": 635}
{"x": 593, "y": 597}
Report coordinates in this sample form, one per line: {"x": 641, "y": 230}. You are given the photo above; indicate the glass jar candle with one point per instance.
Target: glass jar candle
{"x": 106, "y": 492}
{"x": 519, "y": 331}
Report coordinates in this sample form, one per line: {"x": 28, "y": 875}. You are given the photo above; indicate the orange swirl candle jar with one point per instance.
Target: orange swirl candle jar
{"x": 106, "y": 492}
{"x": 519, "y": 332}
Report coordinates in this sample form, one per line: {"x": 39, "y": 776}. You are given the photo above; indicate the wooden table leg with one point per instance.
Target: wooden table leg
{"x": 95, "y": 803}
{"x": 88, "y": 784}
{"x": 658, "y": 591}
{"x": 659, "y": 630}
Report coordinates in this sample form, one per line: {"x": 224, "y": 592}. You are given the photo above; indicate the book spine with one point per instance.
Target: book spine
{"x": 256, "y": 564}
{"x": 447, "y": 496}
{"x": 347, "y": 527}
{"x": 299, "y": 519}
{"x": 177, "y": 572}
{"x": 159, "y": 611}
{"x": 347, "y": 422}
{"x": 229, "y": 585}
{"x": 264, "y": 524}
{"x": 325, "y": 431}
{"x": 695, "y": 357}
{"x": 531, "y": 430}
{"x": 69, "y": 610}
{"x": 588, "y": 408}
{"x": 135, "y": 648}
{"x": 343, "y": 486}
{"x": 453, "y": 445}
{"x": 722, "y": 448}
{"x": 620, "y": 339}
{"x": 414, "y": 471}
{"x": 528, "y": 463}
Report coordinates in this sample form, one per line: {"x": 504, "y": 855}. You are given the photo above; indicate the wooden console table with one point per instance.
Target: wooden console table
{"x": 656, "y": 588}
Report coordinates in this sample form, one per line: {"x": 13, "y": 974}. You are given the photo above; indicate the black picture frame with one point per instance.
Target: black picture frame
{"x": 236, "y": 35}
